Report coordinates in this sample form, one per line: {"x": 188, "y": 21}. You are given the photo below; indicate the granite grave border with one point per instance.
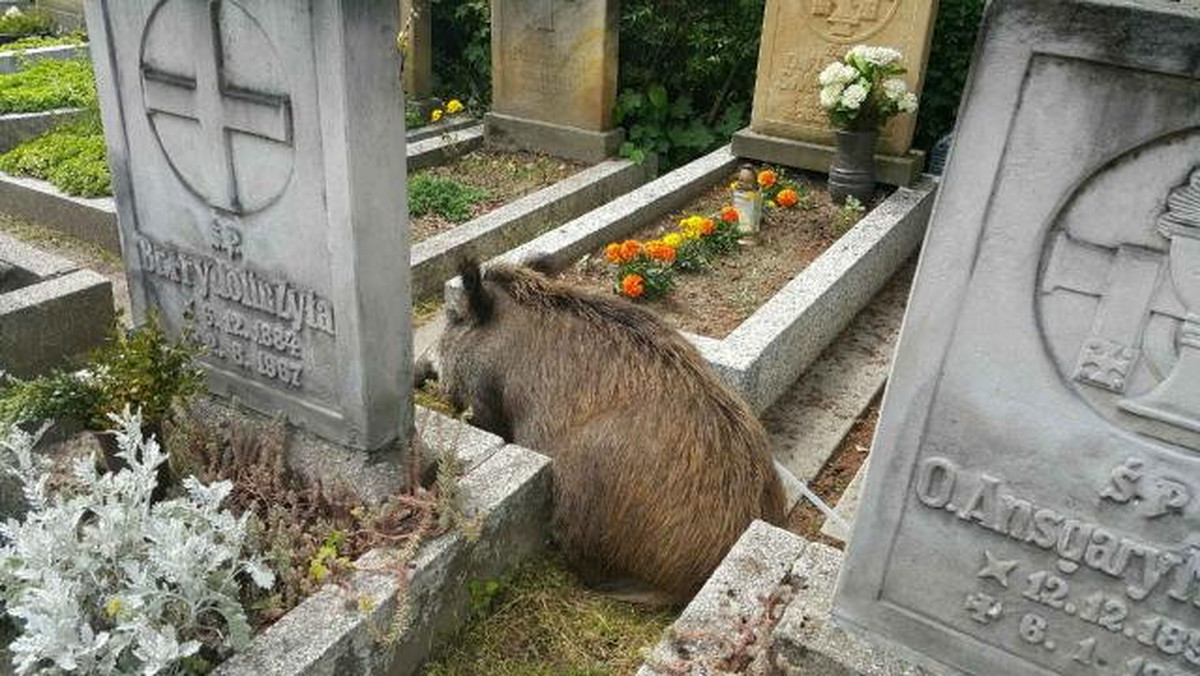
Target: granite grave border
{"x": 775, "y": 345}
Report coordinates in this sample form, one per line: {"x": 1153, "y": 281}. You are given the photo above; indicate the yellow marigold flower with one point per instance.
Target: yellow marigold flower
{"x": 612, "y": 253}
{"x": 435, "y": 115}
{"x": 455, "y": 106}
{"x": 673, "y": 240}
{"x": 633, "y": 286}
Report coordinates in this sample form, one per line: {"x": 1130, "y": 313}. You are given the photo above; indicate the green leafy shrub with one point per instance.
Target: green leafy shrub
{"x": 28, "y": 22}
{"x": 462, "y": 52}
{"x": 669, "y": 128}
{"x": 949, "y": 61}
{"x": 143, "y": 370}
{"x": 36, "y": 41}
{"x": 428, "y": 194}
{"x": 72, "y": 157}
{"x": 48, "y": 84}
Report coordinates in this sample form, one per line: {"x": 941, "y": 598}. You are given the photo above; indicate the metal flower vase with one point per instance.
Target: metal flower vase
{"x": 853, "y": 170}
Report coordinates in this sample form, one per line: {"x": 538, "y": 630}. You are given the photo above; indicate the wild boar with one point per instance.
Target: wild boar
{"x": 658, "y": 466}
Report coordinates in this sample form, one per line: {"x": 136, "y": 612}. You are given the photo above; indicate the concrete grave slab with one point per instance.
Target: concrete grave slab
{"x": 258, "y": 158}
{"x": 17, "y": 128}
{"x": 51, "y": 310}
{"x": 11, "y": 61}
{"x": 1031, "y": 501}
{"x": 91, "y": 219}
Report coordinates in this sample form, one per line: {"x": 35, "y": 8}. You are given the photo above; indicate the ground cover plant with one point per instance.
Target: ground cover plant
{"x": 73, "y": 158}
{"x": 38, "y": 41}
{"x": 542, "y": 621}
{"x": 48, "y": 84}
{"x": 714, "y": 277}
{"x": 442, "y": 197}
{"x": 16, "y": 21}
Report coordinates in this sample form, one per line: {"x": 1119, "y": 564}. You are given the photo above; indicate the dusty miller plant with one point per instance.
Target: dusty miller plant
{"x": 105, "y": 581}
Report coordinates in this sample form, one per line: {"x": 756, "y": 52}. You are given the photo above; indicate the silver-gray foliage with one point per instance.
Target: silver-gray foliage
{"x": 105, "y": 581}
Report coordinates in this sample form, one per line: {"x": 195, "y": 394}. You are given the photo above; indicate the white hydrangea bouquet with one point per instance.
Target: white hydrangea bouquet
{"x": 864, "y": 90}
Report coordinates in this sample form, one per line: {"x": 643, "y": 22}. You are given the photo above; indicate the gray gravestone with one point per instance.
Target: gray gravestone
{"x": 259, "y": 170}
{"x": 1033, "y": 499}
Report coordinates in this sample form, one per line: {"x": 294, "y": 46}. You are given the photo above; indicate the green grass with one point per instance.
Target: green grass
{"x": 541, "y": 622}
{"x": 36, "y": 41}
{"x": 72, "y": 158}
{"x": 48, "y": 84}
{"x": 446, "y": 197}
{"x": 28, "y": 22}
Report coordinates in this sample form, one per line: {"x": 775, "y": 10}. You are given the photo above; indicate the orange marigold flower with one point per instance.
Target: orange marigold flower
{"x": 729, "y": 214}
{"x": 787, "y": 198}
{"x": 766, "y": 178}
{"x": 707, "y": 227}
{"x": 612, "y": 253}
{"x": 633, "y": 286}
{"x": 630, "y": 250}
{"x": 660, "y": 252}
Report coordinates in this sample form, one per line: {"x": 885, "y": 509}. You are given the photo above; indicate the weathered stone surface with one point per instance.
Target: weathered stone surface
{"x": 259, "y": 162}
{"x": 808, "y": 421}
{"x": 50, "y": 310}
{"x": 730, "y": 620}
{"x": 889, "y": 169}
{"x": 1031, "y": 501}
{"x": 846, "y": 508}
{"x": 442, "y": 148}
{"x": 801, "y": 37}
{"x": 807, "y": 642}
{"x": 338, "y": 630}
{"x": 416, "y": 18}
{"x": 554, "y": 76}
{"x": 91, "y": 219}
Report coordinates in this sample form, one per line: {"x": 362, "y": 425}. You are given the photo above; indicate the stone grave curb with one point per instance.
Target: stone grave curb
{"x": 17, "y": 128}
{"x": 10, "y": 61}
{"x": 62, "y": 312}
{"x": 766, "y": 354}
{"x": 439, "y": 128}
{"x": 338, "y": 629}
{"x": 434, "y": 260}
{"x": 772, "y": 595}
{"x": 443, "y": 147}
{"x": 91, "y": 219}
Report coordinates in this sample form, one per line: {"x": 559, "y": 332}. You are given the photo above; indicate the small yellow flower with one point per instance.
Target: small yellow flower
{"x": 113, "y": 606}
{"x": 454, "y": 106}
{"x": 436, "y": 114}
{"x": 673, "y": 240}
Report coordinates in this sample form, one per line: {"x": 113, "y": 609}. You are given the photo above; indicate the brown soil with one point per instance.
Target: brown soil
{"x": 806, "y": 520}
{"x": 506, "y": 176}
{"x": 716, "y": 301}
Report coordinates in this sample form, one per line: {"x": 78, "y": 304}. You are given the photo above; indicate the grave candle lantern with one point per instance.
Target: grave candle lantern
{"x": 748, "y": 201}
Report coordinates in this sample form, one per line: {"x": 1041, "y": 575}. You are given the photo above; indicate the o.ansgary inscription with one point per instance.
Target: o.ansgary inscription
{"x": 1112, "y": 621}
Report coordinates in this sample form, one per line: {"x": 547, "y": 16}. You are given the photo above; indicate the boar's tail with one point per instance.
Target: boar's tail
{"x": 479, "y": 302}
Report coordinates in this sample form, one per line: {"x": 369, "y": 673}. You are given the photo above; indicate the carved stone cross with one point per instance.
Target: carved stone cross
{"x": 219, "y": 107}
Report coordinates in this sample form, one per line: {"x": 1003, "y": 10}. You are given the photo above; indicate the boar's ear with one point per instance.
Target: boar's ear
{"x": 541, "y": 263}
{"x": 479, "y": 303}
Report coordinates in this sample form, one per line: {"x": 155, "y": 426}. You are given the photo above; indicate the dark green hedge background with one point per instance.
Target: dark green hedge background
{"x": 687, "y": 69}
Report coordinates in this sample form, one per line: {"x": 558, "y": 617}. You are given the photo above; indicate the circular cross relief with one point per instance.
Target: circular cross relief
{"x": 218, "y": 103}
{"x": 847, "y": 20}
{"x": 1118, "y": 297}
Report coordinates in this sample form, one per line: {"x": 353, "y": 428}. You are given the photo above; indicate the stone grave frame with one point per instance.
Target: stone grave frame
{"x": 1040, "y": 425}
